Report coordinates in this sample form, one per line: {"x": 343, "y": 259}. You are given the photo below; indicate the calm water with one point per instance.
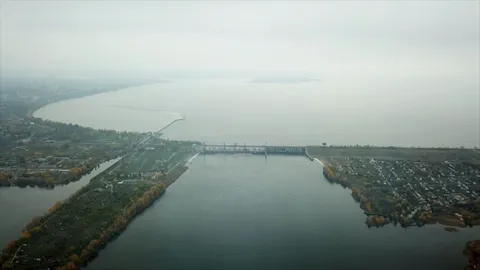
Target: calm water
{"x": 245, "y": 212}
{"x": 19, "y": 205}
{"x": 394, "y": 113}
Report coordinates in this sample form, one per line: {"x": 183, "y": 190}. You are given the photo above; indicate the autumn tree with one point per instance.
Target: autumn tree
{"x": 74, "y": 258}
{"x": 36, "y": 230}
{"x": 76, "y": 171}
{"x": 72, "y": 266}
{"x": 368, "y": 206}
{"x": 92, "y": 245}
{"x": 34, "y": 222}
{"x": 83, "y": 255}
{"x": 25, "y": 235}
{"x": 55, "y": 207}
{"x": 130, "y": 211}
{"x": 425, "y": 217}
{"x": 4, "y": 176}
{"x": 140, "y": 203}
{"x": 328, "y": 172}
{"x": 11, "y": 245}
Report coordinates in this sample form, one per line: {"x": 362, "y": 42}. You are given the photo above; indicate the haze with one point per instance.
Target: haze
{"x": 414, "y": 58}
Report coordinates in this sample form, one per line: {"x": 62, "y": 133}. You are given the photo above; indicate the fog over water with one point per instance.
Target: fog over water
{"x": 379, "y": 72}
{"x": 238, "y": 111}
{"x": 290, "y": 72}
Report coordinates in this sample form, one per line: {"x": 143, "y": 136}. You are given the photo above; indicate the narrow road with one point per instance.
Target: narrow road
{"x": 173, "y": 167}
{"x": 15, "y": 255}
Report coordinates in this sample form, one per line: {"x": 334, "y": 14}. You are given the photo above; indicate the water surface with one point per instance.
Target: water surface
{"x": 335, "y": 110}
{"x": 248, "y": 212}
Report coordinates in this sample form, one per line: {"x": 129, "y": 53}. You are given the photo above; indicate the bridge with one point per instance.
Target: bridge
{"x": 250, "y": 149}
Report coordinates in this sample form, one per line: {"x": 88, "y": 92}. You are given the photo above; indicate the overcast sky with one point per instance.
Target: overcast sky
{"x": 317, "y": 36}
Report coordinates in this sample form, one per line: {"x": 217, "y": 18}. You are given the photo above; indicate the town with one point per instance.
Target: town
{"x": 412, "y": 190}
{"x": 42, "y": 153}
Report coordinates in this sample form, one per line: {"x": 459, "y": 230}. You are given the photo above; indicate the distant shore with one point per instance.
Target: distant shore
{"x": 39, "y": 105}
{"x": 80, "y": 94}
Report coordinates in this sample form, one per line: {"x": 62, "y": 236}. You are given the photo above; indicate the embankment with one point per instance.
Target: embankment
{"x": 308, "y": 155}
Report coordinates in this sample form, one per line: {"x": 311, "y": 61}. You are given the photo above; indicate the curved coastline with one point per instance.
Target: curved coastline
{"x": 7, "y": 260}
{"x": 38, "y": 107}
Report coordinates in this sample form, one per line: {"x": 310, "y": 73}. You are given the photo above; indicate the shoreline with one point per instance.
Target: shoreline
{"x": 182, "y": 168}
{"x": 31, "y": 111}
{"x": 153, "y": 189}
{"x": 50, "y": 186}
{"x": 77, "y": 95}
{"x": 371, "y": 220}
{"x": 150, "y": 191}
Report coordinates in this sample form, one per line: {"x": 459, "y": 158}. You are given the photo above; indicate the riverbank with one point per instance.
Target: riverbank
{"x": 19, "y": 205}
{"x": 101, "y": 210}
{"x": 49, "y": 179}
{"x": 411, "y": 186}
{"x": 472, "y": 251}
{"x": 235, "y": 204}
{"x": 53, "y": 240}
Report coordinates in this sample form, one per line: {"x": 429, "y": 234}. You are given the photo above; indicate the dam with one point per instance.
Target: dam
{"x": 250, "y": 149}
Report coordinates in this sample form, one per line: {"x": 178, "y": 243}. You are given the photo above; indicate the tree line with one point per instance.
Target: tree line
{"x": 96, "y": 243}
{"x": 119, "y": 225}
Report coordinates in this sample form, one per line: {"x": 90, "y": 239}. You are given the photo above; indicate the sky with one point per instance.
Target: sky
{"x": 326, "y": 38}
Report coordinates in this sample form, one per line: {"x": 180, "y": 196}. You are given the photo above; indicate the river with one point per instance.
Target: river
{"x": 248, "y": 212}
{"x": 241, "y": 212}
{"x": 19, "y": 205}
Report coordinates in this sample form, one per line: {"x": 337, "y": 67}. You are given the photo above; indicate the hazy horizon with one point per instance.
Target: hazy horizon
{"x": 410, "y": 60}
{"x": 378, "y": 39}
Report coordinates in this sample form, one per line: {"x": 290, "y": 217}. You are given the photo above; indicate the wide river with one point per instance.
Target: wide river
{"x": 248, "y": 212}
